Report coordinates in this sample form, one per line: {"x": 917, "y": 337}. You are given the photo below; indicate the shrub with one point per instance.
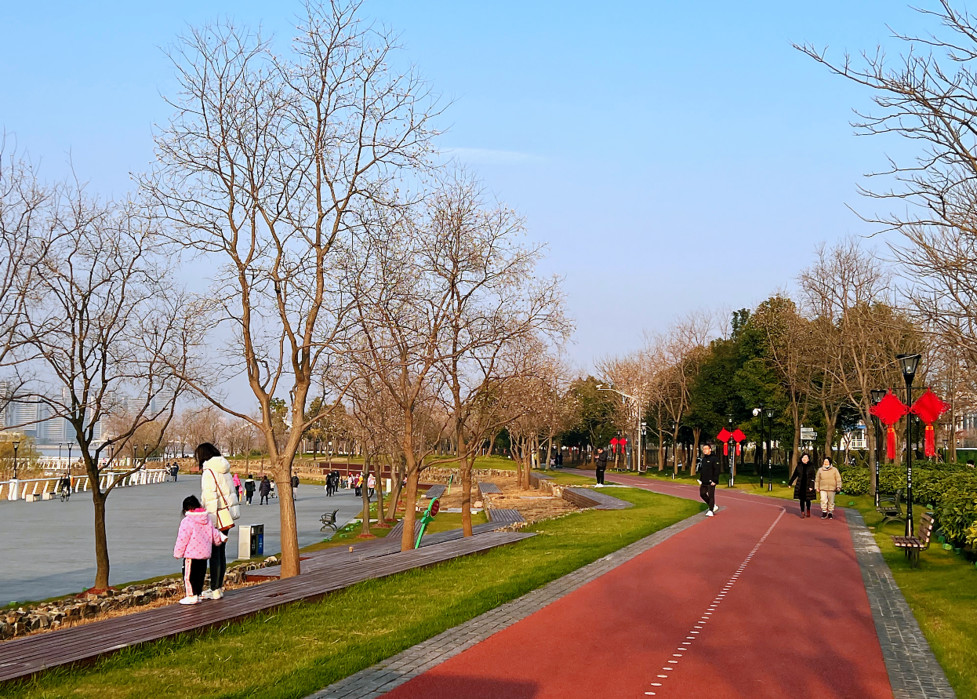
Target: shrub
{"x": 957, "y": 514}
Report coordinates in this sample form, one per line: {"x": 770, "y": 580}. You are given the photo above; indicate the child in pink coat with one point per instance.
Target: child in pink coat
{"x": 193, "y": 544}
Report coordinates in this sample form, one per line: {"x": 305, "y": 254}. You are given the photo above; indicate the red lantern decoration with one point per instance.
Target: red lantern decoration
{"x": 614, "y": 443}
{"x": 929, "y": 408}
{"x": 889, "y": 411}
{"x": 723, "y": 437}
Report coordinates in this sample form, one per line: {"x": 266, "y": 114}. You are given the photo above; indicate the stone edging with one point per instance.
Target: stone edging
{"x": 394, "y": 671}
{"x": 914, "y": 671}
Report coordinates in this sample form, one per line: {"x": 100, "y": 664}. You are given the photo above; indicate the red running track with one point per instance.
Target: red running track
{"x": 754, "y": 602}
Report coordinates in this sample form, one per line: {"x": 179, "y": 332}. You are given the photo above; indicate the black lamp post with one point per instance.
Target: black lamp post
{"x": 909, "y": 364}
{"x": 769, "y": 448}
{"x": 732, "y": 456}
{"x": 877, "y": 396}
{"x": 16, "y": 445}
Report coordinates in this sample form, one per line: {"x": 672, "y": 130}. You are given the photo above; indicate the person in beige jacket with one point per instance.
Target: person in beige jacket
{"x": 827, "y": 482}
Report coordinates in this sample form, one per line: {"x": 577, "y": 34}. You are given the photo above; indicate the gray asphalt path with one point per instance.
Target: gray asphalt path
{"x": 47, "y": 548}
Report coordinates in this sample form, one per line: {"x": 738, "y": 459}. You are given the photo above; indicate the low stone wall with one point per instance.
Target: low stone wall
{"x": 67, "y": 611}
{"x": 435, "y": 474}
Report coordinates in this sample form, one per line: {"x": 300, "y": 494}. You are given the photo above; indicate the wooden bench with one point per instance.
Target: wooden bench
{"x": 890, "y": 507}
{"x": 912, "y": 545}
{"x": 329, "y": 520}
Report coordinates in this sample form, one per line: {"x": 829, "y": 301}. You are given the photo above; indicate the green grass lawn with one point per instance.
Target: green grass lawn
{"x": 746, "y": 481}
{"x": 569, "y": 478}
{"x": 304, "y": 647}
{"x": 942, "y": 593}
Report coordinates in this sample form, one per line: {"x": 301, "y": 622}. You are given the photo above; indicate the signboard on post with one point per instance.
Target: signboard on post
{"x": 808, "y": 434}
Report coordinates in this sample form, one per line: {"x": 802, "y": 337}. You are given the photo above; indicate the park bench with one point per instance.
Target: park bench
{"x": 912, "y": 545}
{"x": 890, "y": 507}
{"x": 329, "y": 520}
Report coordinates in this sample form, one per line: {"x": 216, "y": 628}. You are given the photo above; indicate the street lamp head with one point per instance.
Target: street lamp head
{"x": 877, "y": 396}
{"x": 770, "y": 413}
{"x": 756, "y": 412}
{"x": 16, "y": 444}
{"x": 909, "y": 363}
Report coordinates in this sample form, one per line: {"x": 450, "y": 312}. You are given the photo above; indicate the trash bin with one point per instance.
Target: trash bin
{"x": 251, "y": 541}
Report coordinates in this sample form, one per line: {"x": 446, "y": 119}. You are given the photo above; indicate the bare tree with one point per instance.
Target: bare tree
{"x": 928, "y": 95}
{"x": 105, "y": 327}
{"x": 265, "y": 170}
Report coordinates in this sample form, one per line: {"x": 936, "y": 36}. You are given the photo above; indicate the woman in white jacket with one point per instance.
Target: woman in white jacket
{"x": 219, "y": 497}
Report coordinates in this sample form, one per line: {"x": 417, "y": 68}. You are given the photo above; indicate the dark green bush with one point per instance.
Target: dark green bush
{"x": 957, "y": 513}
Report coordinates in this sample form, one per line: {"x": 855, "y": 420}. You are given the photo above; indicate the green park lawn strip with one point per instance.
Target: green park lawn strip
{"x": 304, "y": 647}
{"x": 942, "y": 593}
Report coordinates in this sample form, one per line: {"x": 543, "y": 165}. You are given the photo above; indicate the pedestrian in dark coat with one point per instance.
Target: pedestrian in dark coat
{"x": 708, "y": 473}
{"x": 264, "y": 490}
{"x": 803, "y": 481}
{"x": 601, "y": 466}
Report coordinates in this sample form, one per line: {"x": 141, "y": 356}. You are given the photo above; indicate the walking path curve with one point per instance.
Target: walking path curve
{"x": 754, "y": 602}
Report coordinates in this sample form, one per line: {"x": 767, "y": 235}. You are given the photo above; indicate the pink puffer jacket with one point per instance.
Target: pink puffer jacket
{"x": 196, "y": 536}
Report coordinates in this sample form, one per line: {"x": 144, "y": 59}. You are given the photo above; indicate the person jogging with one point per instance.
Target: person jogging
{"x": 708, "y": 478}
{"x": 601, "y": 466}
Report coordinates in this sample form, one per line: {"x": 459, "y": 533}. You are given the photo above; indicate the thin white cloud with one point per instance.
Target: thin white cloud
{"x": 489, "y": 156}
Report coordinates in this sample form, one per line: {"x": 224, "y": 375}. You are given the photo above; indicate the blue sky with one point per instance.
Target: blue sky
{"x": 674, "y": 156}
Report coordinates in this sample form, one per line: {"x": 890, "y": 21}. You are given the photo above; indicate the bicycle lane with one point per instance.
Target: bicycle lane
{"x": 754, "y": 602}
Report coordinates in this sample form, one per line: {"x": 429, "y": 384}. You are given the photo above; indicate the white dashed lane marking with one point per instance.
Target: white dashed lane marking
{"x": 700, "y": 623}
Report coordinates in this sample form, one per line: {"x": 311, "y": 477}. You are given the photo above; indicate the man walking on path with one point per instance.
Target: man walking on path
{"x": 601, "y": 466}
{"x": 708, "y": 478}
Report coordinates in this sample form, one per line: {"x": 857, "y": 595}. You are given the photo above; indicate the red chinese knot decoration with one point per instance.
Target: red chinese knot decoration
{"x": 889, "y": 411}
{"x": 614, "y": 445}
{"x": 929, "y": 408}
{"x": 723, "y": 437}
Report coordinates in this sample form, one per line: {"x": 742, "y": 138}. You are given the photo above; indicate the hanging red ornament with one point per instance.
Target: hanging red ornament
{"x": 929, "y": 407}
{"x": 723, "y": 437}
{"x": 738, "y": 437}
{"x": 889, "y": 411}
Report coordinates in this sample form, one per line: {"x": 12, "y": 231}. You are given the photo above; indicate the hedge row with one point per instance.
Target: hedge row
{"x": 949, "y": 490}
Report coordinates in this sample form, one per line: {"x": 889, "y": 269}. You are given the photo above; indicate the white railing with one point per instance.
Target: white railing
{"x": 33, "y": 489}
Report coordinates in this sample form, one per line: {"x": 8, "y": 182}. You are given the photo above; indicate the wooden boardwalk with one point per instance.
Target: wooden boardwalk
{"x": 26, "y": 656}
{"x": 591, "y": 497}
{"x": 489, "y": 489}
{"x": 503, "y": 516}
{"x": 435, "y": 491}
{"x": 365, "y": 550}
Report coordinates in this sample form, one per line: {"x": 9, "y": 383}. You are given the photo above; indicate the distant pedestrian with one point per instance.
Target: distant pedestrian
{"x": 264, "y": 490}
{"x": 194, "y": 543}
{"x": 827, "y": 482}
{"x": 249, "y": 488}
{"x": 220, "y": 499}
{"x": 804, "y": 490}
{"x": 601, "y": 467}
{"x": 708, "y": 478}
{"x": 237, "y": 487}
{"x": 371, "y": 484}
{"x": 176, "y": 471}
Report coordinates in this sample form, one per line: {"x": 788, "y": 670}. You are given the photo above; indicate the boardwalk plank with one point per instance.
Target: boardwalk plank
{"x": 26, "y": 656}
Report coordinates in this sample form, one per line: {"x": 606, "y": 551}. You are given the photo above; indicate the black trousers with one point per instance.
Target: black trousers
{"x": 805, "y": 504}
{"x": 218, "y": 566}
{"x": 708, "y": 495}
{"x": 600, "y": 476}
{"x": 194, "y": 571}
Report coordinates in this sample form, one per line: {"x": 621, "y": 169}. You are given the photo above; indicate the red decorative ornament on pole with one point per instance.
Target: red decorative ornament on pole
{"x": 723, "y": 437}
{"x": 889, "y": 411}
{"x": 614, "y": 443}
{"x": 929, "y": 407}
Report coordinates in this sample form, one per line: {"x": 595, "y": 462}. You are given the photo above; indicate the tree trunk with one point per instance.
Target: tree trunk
{"x": 291, "y": 566}
{"x": 365, "y": 493}
{"x": 466, "y": 494}
{"x": 410, "y": 508}
{"x": 381, "y": 520}
{"x": 101, "y": 541}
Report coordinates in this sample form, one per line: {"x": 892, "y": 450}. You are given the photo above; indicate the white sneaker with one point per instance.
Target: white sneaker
{"x": 715, "y": 509}
{"x": 709, "y": 513}
{"x": 217, "y": 594}
{"x": 599, "y": 485}
{"x": 207, "y": 594}
{"x": 192, "y": 599}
